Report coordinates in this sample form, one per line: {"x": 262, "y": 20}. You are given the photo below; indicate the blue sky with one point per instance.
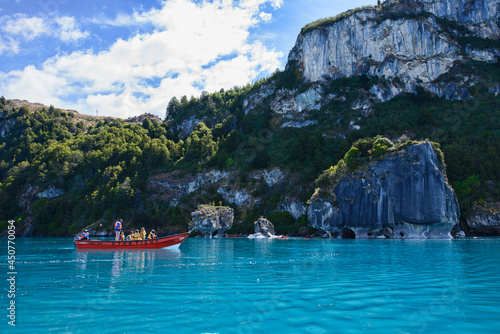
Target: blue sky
{"x": 128, "y": 57}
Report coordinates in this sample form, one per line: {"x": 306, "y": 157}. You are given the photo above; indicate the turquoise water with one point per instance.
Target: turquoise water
{"x": 258, "y": 286}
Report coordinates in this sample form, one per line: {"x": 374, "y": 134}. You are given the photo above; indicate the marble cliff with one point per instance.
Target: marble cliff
{"x": 405, "y": 194}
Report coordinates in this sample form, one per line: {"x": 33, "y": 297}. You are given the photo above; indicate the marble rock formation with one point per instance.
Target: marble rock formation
{"x": 405, "y": 194}
{"x": 209, "y": 219}
{"x": 263, "y": 229}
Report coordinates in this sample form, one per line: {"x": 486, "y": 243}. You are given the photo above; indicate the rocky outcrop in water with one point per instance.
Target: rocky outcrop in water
{"x": 405, "y": 194}
{"x": 263, "y": 229}
{"x": 209, "y": 219}
{"x": 485, "y": 220}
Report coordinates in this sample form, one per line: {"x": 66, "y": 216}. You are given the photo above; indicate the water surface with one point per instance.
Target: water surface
{"x": 258, "y": 286}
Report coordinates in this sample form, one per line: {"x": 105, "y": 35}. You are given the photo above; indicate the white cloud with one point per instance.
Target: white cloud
{"x": 27, "y": 27}
{"x": 8, "y": 45}
{"x": 67, "y": 29}
{"x": 194, "y": 47}
{"x": 265, "y": 16}
{"x": 21, "y": 27}
{"x": 39, "y": 85}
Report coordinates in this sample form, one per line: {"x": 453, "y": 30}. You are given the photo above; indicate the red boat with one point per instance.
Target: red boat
{"x": 171, "y": 242}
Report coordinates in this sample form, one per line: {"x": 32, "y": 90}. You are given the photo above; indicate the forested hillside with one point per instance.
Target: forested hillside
{"x": 258, "y": 148}
{"x": 102, "y": 166}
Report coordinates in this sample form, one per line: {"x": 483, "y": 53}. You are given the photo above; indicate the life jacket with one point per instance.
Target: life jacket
{"x": 85, "y": 235}
{"x": 118, "y": 226}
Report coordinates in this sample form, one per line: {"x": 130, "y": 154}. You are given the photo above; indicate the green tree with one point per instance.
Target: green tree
{"x": 200, "y": 144}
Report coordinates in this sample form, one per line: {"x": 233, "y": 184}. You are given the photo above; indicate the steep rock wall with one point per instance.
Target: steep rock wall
{"x": 409, "y": 49}
{"x": 409, "y": 44}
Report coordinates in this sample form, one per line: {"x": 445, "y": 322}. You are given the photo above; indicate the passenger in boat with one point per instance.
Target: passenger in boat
{"x": 118, "y": 229}
{"x": 137, "y": 235}
{"x": 143, "y": 233}
{"x": 152, "y": 235}
{"x": 84, "y": 235}
{"x": 130, "y": 237}
{"x": 122, "y": 236}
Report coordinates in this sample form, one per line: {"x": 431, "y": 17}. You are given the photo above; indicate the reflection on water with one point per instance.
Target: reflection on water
{"x": 138, "y": 261}
{"x": 117, "y": 263}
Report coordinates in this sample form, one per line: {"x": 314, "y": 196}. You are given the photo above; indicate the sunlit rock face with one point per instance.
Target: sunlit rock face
{"x": 404, "y": 195}
{"x": 210, "y": 219}
{"x": 409, "y": 49}
{"x": 407, "y": 40}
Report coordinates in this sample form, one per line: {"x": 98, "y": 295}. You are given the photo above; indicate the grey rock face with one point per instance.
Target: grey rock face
{"x": 450, "y": 91}
{"x": 409, "y": 49}
{"x": 415, "y": 48}
{"x": 479, "y": 16}
{"x": 257, "y": 98}
{"x": 270, "y": 176}
{"x": 293, "y": 206}
{"x": 238, "y": 197}
{"x": 187, "y": 126}
{"x": 265, "y": 228}
{"x": 292, "y": 106}
{"x": 6, "y": 126}
{"x": 404, "y": 195}
{"x": 484, "y": 220}
{"x": 210, "y": 219}
{"x": 50, "y": 192}
{"x": 170, "y": 187}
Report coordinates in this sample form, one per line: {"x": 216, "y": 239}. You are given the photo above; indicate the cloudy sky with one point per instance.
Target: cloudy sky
{"x": 128, "y": 57}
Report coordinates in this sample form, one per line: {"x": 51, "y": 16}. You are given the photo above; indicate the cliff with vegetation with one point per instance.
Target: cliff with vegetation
{"x": 381, "y": 190}
{"x": 418, "y": 70}
{"x": 412, "y": 43}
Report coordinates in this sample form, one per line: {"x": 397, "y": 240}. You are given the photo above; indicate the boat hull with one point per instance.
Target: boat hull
{"x": 171, "y": 241}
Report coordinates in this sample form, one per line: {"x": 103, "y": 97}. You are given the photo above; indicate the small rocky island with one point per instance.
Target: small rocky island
{"x": 263, "y": 229}
{"x": 382, "y": 190}
{"x": 209, "y": 219}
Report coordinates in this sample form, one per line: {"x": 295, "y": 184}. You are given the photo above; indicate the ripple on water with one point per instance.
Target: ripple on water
{"x": 252, "y": 286}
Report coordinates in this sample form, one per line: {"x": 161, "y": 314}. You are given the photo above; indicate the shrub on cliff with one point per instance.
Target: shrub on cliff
{"x": 362, "y": 152}
{"x": 381, "y": 145}
{"x": 329, "y": 179}
{"x": 351, "y": 158}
